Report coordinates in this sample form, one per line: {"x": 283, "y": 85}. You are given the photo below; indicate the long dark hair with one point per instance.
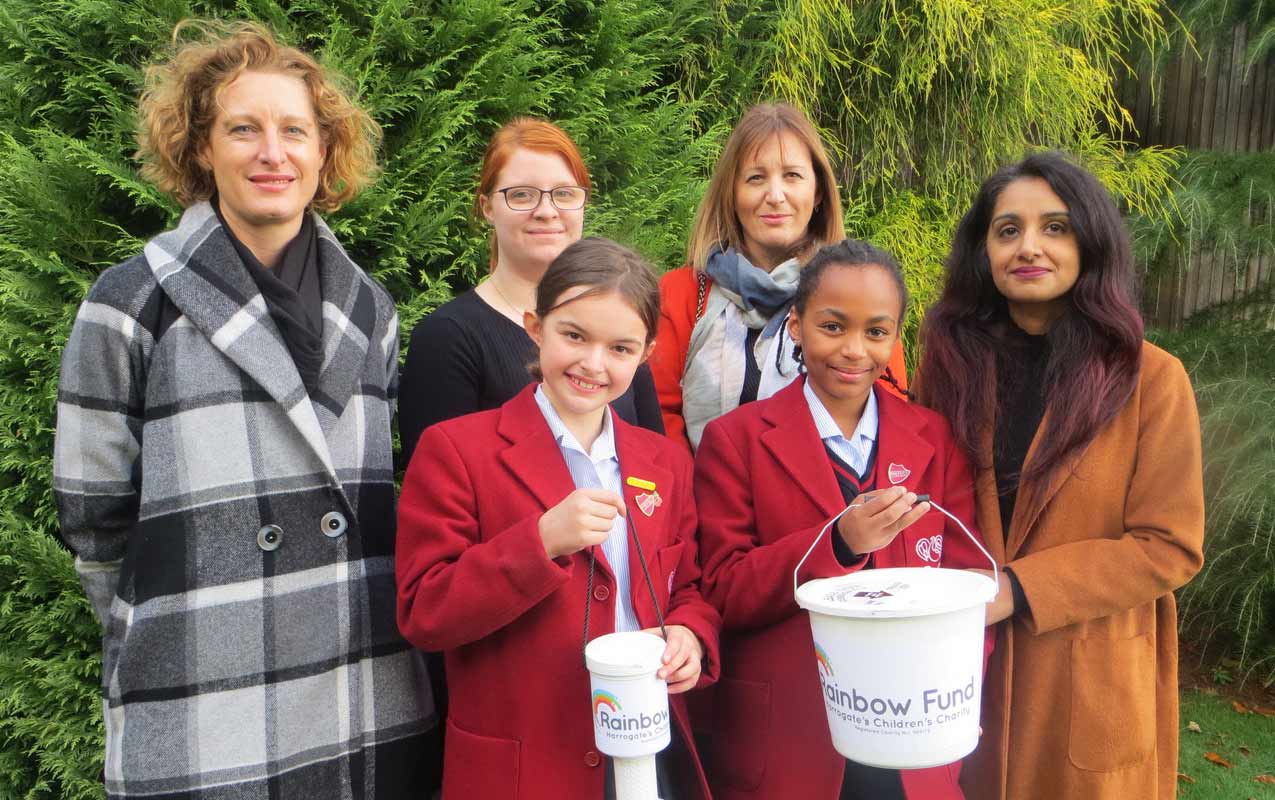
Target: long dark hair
{"x": 1094, "y": 347}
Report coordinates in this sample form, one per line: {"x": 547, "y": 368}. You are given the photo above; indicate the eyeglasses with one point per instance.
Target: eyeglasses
{"x": 527, "y": 198}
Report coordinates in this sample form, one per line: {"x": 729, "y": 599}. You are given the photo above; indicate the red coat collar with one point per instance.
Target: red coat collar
{"x": 902, "y": 455}
{"x": 534, "y": 459}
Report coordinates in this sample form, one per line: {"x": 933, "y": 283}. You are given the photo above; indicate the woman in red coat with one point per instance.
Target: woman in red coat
{"x": 771, "y": 203}
{"x": 769, "y": 476}
{"x": 500, "y": 513}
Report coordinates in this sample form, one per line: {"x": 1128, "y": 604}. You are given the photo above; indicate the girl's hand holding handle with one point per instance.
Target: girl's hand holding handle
{"x": 581, "y": 520}
{"x": 876, "y": 518}
{"x": 682, "y": 658}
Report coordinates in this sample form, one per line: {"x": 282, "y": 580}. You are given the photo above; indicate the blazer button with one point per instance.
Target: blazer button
{"x": 333, "y": 524}
{"x": 601, "y": 593}
{"x": 269, "y": 537}
{"x": 592, "y": 759}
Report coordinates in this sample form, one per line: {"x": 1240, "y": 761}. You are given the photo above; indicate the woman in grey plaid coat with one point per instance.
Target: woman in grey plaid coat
{"x": 222, "y": 464}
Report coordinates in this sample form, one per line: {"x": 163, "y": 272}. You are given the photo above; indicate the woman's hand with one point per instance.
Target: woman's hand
{"x": 876, "y": 518}
{"x": 1003, "y": 606}
{"x": 581, "y": 520}
{"x": 682, "y": 658}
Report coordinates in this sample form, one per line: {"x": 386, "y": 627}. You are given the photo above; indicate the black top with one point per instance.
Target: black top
{"x": 752, "y": 370}
{"x": 292, "y": 294}
{"x": 1020, "y": 396}
{"x": 466, "y": 356}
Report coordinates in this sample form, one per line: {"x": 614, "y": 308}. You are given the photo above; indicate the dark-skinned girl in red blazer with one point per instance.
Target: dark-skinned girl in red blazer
{"x": 769, "y": 476}
{"x": 497, "y": 518}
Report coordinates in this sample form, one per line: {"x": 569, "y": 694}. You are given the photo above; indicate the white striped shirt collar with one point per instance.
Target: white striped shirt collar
{"x": 603, "y": 446}
{"x": 855, "y": 449}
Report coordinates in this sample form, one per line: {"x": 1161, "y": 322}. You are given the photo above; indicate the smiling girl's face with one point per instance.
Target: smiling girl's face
{"x": 590, "y": 346}
{"x": 847, "y": 332}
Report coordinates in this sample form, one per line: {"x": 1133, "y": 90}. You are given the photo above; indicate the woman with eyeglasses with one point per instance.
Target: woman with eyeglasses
{"x": 471, "y": 354}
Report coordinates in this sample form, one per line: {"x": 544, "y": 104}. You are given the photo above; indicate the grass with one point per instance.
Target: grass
{"x": 1246, "y": 741}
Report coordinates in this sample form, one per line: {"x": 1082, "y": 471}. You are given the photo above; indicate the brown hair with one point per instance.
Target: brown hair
{"x": 717, "y": 219}
{"x": 602, "y": 266}
{"x": 180, "y": 103}
{"x": 527, "y": 133}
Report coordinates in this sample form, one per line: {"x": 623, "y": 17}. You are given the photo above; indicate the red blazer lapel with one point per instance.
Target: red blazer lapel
{"x": 650, "y": 511}
{"x": 533, "y": 457}
{"x": 902, "y": 456}
{"x": 796, "y": 445}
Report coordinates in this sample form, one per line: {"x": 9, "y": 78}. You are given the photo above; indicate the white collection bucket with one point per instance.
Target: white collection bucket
{"x": 900, "y": 659}
{"x": 630, "y": 704}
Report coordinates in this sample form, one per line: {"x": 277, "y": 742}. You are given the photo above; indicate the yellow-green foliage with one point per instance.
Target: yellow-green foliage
{"x": 925, "y": 99}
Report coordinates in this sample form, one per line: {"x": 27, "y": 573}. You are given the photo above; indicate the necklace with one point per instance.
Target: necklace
{"x": 520, "y": 312}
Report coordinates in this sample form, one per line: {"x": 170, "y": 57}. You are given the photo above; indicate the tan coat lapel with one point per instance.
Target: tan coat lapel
{"x": 1030, "y": 504}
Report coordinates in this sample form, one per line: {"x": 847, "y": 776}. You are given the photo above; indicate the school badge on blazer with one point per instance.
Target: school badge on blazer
{"x": 930, "y": 549}
{"x": 898, "y": 473}
{"x": 647, "y": 503}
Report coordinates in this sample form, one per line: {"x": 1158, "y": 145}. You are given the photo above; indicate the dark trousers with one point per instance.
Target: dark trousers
{"x": 871, "y": 783}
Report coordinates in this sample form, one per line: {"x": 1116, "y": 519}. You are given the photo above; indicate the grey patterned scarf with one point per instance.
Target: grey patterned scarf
{"x": 743, "y": 297}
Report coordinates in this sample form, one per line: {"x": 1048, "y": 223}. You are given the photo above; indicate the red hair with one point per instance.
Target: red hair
{"x": 526, "y": 133}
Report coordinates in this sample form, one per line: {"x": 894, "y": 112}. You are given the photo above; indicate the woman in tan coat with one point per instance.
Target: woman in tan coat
{"x": 1089, "y": 487}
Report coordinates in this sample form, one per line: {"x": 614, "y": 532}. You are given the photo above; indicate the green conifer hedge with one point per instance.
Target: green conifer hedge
{"x": 919, "y": 97}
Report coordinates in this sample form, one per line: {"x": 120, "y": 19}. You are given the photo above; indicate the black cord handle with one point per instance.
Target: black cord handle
{"x": 646, "y": 573}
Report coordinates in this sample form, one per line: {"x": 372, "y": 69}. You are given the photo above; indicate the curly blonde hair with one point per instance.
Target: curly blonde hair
{"x": 180, "y": 102}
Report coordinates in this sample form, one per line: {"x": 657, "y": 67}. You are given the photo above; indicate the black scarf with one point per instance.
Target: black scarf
{"x": 292, "y": 294}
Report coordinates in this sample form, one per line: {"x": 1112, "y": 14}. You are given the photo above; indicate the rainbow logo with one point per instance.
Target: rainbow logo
{"x": 822, "y": 658}
{"x": 604, "y": 698}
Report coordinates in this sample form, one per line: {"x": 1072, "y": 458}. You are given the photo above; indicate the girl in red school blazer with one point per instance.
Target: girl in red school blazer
{"x": 494, "y": 539}
{"x": 769, "y": 475}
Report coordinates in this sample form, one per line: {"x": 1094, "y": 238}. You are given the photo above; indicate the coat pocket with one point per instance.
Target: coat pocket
{"x": 741, "y": 734}
{"x": 1112, "y": 702}
{"x": 479, "y": 766}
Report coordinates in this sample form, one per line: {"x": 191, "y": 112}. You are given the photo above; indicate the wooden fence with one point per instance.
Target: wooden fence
{"x": 1210, "y": 99}
{"x": 1195, "y": 281}
{"x": 1207, "y": 100}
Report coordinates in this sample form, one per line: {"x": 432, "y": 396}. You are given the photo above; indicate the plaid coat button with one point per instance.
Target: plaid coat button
{"x": 269, "y": 537}
{"x": 333, "y": 524}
